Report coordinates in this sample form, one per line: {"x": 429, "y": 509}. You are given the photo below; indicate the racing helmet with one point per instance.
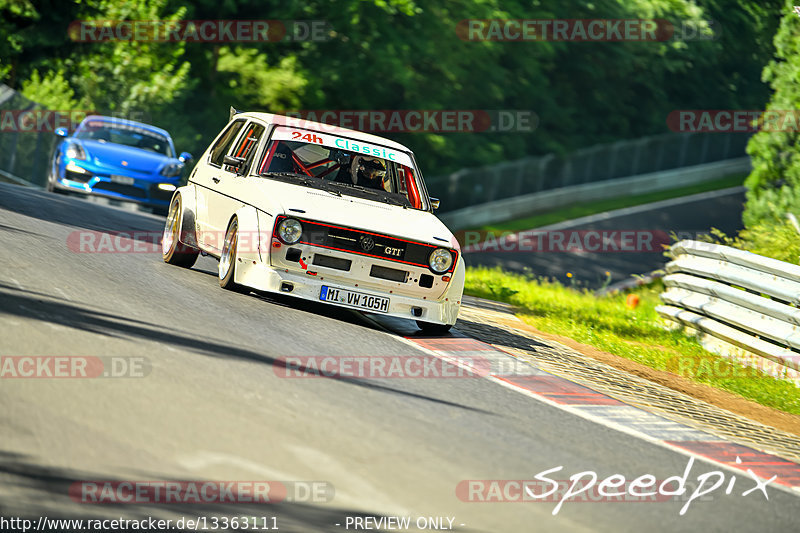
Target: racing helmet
{"x": 368, "y": 168}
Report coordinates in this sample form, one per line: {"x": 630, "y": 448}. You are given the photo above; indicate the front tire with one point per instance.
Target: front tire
{"x": 433, "y": 329}
{"x": 227, "y": 260}
{"x": 173, "y": 251}
{"x": 51, "y": 181}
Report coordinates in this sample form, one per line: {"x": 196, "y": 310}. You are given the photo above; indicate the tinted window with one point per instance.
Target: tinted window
{"x": 224, "y": 143}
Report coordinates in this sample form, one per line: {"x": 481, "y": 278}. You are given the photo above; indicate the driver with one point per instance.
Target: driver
{"x": 369, "y": 172}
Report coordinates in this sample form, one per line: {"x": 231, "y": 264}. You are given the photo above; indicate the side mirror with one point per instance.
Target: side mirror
{"x": 61, "y": 132}
{"x": 235, "y": 162}
{"x": 184, "y": 157}
{"x": 435, "y": 203}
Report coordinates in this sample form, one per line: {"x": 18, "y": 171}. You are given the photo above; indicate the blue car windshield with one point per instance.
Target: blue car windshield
{"x": 125, "y": 134}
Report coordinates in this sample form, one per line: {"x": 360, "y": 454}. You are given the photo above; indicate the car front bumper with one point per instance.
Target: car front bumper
{"x": 98, "y": 182}
{"x": 261, "y": 277}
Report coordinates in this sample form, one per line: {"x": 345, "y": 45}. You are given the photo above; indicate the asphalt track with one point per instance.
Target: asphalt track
{"x": 686, "y": 218}
{"x": 214, "y": 407}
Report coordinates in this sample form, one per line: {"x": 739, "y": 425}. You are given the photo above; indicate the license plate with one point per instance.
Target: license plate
{"x": 358, "y": 300}
{"x": 123, "y": 180}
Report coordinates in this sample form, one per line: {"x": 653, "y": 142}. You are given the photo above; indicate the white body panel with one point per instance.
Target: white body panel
{"x": 215, "y": 195}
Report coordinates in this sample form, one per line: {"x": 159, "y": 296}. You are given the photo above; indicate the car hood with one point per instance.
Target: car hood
{"x": 110, "y": 155}
{"x": 379, "y": 217}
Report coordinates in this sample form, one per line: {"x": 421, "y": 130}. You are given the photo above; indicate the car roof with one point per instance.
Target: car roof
{"x": 282, "y": 120}
{"x": 127, "y": 122}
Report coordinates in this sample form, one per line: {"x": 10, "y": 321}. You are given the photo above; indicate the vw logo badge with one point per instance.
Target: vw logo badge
{"x": 367, "y": 243}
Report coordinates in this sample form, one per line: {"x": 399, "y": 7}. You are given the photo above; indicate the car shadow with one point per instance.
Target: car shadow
{"x": 32, "y": 490}
{"x": 33, "y": 306}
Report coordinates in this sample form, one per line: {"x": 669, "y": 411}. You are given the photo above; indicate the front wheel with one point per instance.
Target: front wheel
{"x": 173, "y": 251}
{"x": 433, "y": 329}
{"x": 50, "y": 186}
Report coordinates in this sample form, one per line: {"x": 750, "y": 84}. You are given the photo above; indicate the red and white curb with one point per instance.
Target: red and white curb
{"x": 524, "y": 377}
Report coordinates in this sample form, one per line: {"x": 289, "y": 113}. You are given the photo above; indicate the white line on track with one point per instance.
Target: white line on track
{"x": 592, "y": 418}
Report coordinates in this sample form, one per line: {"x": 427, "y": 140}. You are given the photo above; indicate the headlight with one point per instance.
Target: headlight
{"x": 441, "y": 260}
{"x": 290, "y": 230}
{"x": 171, "y": 170}
{"x": 169, "y": 187}
{"x": 75, "y": 151}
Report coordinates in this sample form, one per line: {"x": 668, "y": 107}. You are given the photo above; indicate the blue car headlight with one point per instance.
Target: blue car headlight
{"x": 172, "y": 170}
{"x": 75, "y": 151}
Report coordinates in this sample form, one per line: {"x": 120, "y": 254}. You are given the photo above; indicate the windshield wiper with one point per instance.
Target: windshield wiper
{"x": 379, "y": 193}
{"x": 302, "y": 177}
{"x": 315, "y": 183}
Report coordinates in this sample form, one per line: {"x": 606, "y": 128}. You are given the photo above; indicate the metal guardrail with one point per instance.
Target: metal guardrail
{"x": 604, "y": 162}
{"x": 540, "y": 202}
{"x": 747, "y": 301}
{"x": 24, "y": 155}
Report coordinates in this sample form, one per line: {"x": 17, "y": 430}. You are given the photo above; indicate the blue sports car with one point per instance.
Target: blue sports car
{"x": 119, "y": 159}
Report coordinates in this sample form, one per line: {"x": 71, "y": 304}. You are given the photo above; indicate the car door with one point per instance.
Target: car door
{"x": 208, "y": 180}
{"x": 232, "y": 191}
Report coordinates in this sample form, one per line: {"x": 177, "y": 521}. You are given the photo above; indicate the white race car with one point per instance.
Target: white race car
{"x": 321, "y": 213}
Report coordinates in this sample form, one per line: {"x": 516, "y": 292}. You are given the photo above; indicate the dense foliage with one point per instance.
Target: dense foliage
{"x": 398, "y": 54}
{"x": 774, "y": 184}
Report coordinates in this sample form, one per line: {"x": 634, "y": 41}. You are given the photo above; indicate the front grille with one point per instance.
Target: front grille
{"x": 392, "y": 274}
{"x": 366, "y": 243}
{"x": 127, "y": 190}
{"x": 331, "y": 262}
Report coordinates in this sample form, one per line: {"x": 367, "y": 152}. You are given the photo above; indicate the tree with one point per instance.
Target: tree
{"x": 774, "y": 183}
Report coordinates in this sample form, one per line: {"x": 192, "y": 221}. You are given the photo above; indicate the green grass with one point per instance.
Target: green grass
{"x": 581, "y": 210}
{"x": 636, "y": 334}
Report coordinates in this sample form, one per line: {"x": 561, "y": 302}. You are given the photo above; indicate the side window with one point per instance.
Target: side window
{"x": 224, "y": 143}
{"x": 246, "y": 147}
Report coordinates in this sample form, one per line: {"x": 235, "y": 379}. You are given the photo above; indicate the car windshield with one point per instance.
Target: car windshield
{"x": 356, "y": 172}
{"x": 125, "y": 134}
